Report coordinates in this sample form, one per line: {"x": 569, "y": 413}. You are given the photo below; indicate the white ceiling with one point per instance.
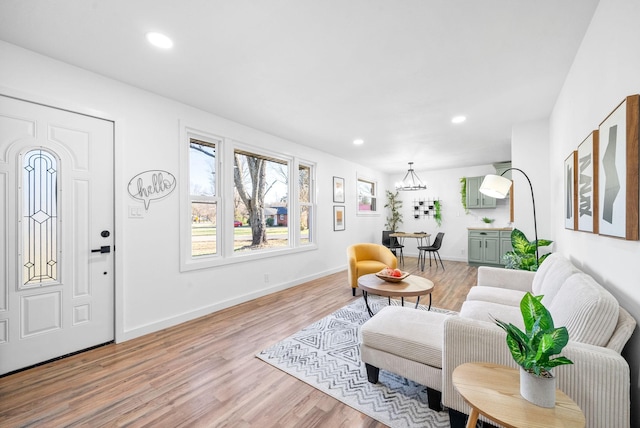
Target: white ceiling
{"x": 324, "y": 72}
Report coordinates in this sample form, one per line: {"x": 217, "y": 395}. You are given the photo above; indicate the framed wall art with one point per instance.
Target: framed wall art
{"x": 588, "y": 184}
{"x": 338, "y": 189}
{"x": 338, "y": 218}
{"x": 570, "y": 200}
{"x": 618, "y": 171}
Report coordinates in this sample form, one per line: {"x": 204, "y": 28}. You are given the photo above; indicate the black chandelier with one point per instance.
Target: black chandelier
{"x": 411, "y": 181}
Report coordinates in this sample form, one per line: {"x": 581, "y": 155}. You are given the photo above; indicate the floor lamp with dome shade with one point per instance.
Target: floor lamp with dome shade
{"x": 497, "y": 186}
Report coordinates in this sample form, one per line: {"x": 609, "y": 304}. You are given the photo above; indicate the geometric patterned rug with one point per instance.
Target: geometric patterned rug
{"x": 326, "y": 355}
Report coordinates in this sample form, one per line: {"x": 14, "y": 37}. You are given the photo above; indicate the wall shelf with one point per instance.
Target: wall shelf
{"x": 424, "y": 208}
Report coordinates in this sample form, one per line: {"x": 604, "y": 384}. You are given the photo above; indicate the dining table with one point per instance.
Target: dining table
{"x": 420, "y": 238}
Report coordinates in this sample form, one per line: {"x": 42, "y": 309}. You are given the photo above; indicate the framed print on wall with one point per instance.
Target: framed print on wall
{"x": 618, "y": 171}
{"x": 338, "y": 218}
{"x": 338, "y": 189}
{"x": 570, "y": 194}
{"x": 587, "y": 185}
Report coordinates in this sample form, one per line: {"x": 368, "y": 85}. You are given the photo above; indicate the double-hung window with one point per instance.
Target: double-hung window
{"x": 367, "y": 196}
{"x": 203, "y": 198}
{"x": 305, "y": 201}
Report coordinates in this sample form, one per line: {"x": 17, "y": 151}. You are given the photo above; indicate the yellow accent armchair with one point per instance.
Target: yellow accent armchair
{"x": 368, "y": 258}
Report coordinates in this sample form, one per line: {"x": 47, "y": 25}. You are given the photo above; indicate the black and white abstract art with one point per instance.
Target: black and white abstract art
{"x": 618, "y": 172}
{"x": 569, "y": 199}
{"x": 587, "y": 184}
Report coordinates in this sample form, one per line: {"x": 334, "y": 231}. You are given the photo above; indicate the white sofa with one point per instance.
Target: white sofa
{"x": 598, "y": 381}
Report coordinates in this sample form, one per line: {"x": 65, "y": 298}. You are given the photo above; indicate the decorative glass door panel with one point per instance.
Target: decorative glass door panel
{"x": 39, "y": 217}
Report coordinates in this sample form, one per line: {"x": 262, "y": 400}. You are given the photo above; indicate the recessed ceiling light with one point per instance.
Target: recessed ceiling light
{"x": 358, "y": 141}
{"x": 159, "y": 40}
{"x": 458, "y": 119}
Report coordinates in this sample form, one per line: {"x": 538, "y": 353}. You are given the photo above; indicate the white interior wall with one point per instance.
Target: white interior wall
{"x": 606, "y": 69}
{"x": 530, "y": 153}
{"x": 445, "y": 185}
{"x": 151, "y": 291}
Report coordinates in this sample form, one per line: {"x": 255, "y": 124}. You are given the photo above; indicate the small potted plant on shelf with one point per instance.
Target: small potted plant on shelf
{"x": 487, "y": 221}
{"x": 533, "y": 350}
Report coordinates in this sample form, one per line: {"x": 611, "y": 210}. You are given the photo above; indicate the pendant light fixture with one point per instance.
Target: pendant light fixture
{"x": 411, "y": 181}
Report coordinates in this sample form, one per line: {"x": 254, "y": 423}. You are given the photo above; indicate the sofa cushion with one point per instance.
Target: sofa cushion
{"x": 589, "y": 312}
{"x": 410, "y": 333}
{"x": 550, "y": 277}
{"x": 488, "y": 311}
{"x": 504, "y": 296}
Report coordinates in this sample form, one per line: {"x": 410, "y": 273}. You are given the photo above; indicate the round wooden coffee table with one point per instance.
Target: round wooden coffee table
{"x": 411, "y": 286}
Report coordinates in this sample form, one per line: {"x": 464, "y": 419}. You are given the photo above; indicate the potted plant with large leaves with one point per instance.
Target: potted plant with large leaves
{"x": 523, "y": 256}
{"x": 536, "y": 349}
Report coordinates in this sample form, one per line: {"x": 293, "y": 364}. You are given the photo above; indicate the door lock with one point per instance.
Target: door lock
{"x": 104, "y": 249}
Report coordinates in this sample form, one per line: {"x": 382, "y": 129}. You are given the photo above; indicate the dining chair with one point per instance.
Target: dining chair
{"x": 393, "y": 244}
{"x": 434, "y": 248}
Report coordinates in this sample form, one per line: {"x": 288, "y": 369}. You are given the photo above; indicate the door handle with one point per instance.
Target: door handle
{"x": 104, "y": 249}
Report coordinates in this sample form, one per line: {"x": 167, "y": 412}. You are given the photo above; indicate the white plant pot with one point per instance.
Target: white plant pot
{"x": 540, "y": 391}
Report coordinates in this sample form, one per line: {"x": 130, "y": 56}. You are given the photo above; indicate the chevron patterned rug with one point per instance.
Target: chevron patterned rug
{"x": 326, "y": 355}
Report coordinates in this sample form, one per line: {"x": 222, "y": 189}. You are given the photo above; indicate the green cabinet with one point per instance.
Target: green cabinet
{"x": 486, "y": 247}
{"x": 505, "y": 243}
{"x": 475, "y": 199}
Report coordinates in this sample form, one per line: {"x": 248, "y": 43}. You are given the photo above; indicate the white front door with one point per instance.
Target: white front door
{"x": 56, "y": 210}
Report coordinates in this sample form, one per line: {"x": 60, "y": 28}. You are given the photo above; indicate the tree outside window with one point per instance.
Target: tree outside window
{"x": 261, "y": 184}
{"x": 305, "y": 202}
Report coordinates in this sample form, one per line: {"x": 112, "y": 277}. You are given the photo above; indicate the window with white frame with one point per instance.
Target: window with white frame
{"x": 261, "y": 189}
{"x": 367, "y": 195}
{"x": 203, "y": 198}
{"x": 239, "y": 202}
{"x": 306, "y": 216}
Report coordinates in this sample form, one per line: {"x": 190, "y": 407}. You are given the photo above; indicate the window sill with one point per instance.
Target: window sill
{"x": 216, "y": 261}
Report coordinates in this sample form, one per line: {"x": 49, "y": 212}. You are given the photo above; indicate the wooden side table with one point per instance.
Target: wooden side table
{"x": 494, "y": 391}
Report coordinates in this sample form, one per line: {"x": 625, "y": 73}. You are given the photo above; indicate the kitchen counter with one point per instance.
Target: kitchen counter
{"x": 489, "y": 228}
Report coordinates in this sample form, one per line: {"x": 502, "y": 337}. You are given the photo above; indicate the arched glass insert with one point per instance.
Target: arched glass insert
{"x": 39, "y": 218}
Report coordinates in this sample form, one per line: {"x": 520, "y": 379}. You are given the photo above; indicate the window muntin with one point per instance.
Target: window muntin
{"x": 261, "y": 188}
{"x": 203, "y": 198}
{"x": 366, "y": 196}
{"x": 40, "y": 240}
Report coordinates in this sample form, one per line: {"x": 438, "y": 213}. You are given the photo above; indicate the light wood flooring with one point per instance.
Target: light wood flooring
{"x": 204, "y": 373}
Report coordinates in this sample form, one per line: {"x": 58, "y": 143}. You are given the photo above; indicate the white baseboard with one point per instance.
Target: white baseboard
{"x": 206, "y": 310}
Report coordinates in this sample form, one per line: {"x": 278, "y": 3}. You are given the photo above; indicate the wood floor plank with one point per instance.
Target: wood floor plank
{"x": 204, "y": 372}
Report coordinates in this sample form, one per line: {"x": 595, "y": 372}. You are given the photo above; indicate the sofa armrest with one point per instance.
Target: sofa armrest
{"x": 505, "y": 278}
{"x": 598, "y": 380}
